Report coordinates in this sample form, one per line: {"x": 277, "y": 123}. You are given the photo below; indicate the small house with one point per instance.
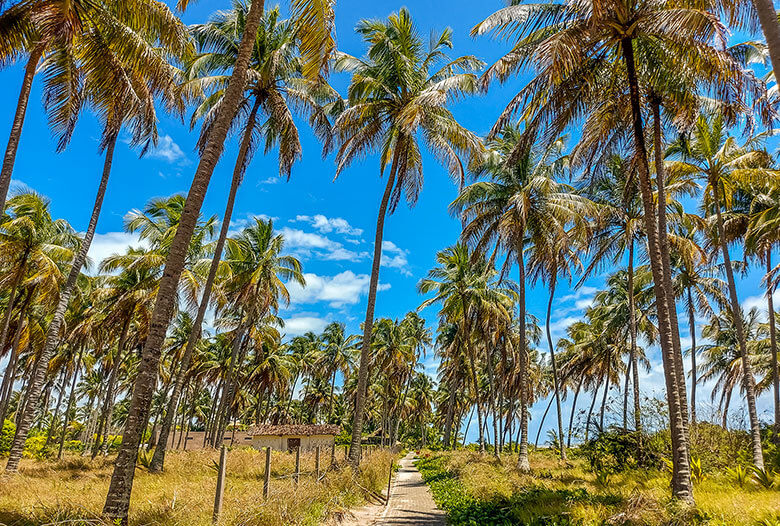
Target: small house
{"x": 287, "y": 437}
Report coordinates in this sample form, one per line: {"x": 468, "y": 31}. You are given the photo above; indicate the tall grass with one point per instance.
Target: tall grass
{"x": 72, "y": 491}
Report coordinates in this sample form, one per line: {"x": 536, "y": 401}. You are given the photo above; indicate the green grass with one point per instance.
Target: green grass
{"x": 477, "y": 490}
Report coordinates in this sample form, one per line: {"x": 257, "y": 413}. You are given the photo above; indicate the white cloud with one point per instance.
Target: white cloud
{"x": 269, "y": 180}
{"x": 304, "y": 244}
{"x": 760, "y": 303}
{"x": 558, "y": 327}
{"x": 394, "y": 256}
{"x": 167, "y": 150}
{"x": 302, "y": 324}
{"x": 327, "y": 225}
{"x": 345, "y": 288}
{"x": 110, "y": 243}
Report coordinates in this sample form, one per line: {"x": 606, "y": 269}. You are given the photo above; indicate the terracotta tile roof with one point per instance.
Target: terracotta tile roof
{"x": 294, "y": 429}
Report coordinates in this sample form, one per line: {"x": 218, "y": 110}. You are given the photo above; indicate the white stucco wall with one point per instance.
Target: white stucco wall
{"x": 279, "y": 443}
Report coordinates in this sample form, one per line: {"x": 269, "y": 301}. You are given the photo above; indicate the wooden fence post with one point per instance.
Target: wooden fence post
{"x": 389, "y": 482}
{"x": 267, "y": 474}
{"x": 297, "y": 473}
{"x": 220, "y": 484}
{"x": 317, "y": 463}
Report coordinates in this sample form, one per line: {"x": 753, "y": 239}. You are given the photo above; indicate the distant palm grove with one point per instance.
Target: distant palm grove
{"x": 638, "y": 150}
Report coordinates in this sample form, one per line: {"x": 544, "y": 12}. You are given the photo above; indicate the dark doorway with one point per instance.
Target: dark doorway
{"x": 293, "y": 443}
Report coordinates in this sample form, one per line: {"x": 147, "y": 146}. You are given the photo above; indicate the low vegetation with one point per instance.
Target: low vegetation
{"x": 591, "y": 488}
{"x": 72, "y": 491}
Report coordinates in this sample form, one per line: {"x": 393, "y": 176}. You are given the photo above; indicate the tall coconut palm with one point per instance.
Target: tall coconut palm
{"x": 121, "y": 70}
{"x": 710, "y": 153}
{"x": 516, "y": 204}
{"x": 317, "y": 16}
{"x": 338, "y": 354}
{"x": 398, "y": 98}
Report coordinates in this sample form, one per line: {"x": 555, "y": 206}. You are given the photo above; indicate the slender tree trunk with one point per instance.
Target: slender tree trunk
{"x": 71, "y": 401}
{"x": 108, "y": 405}
{"x": 541, "y": 423}
{"x": 118, "y": 498}
{"x": 625, "y": 394}
{"x": 466, "y": 431}
{"x": 522, "y": 460}
{"x": 158, "y": 460}
{"x": 573, "y": 409}
{"x": 53, "y": 331}
{"x": 556, "y": 383}
{"x": 604, "y": 398}
{"x": 368, "y": 324}
{"x": 725, "y": 411}
{"x": 748, "y": 380}
{"x": 692, "y": 330}
{"x": 9, "y": 308}
{"x": 450, "y": 411}
{"x": 590, "y": 411}
{"x": 57, "y": 407}
{"x": 681, "y": 482}
{"x": 634, "y": 354}
{"x": 10, "y": 370}
{"x": 767, "y": 17}
{"x": 16, "y": 128}
{"x": 770, "y": 290}
{"x": 226, "y": 401}
{"x": 330, "y": 400}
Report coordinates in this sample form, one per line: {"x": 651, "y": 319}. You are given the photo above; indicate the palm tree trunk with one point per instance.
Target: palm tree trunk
{"x": 16, "y": 128}
{"x": 770, "y": 290}
{"x": 9, "y": 308}
{"x": 108, "y": 405}
{"x": 692, "y": 330}
{"x": 681, "y": 481}
{"x": 634, "y": 355}
{"x": 53, "y": 331}
{"x": 604, "y": 398}
{"x": 368, "y": 324}
{"x": 158, "y": 460}
{"x": 56, "y": 414}
{"x": 573, "y": 409}
{"x": 450, "y": 411}
{"x": 590, "y": 411}
{"x": 496, "y": 452}
{"x": 522, "y": 459}
{"x": 767, "y": 17}
{"x": 556, "y": 383}
{"x": 226, "y": 401}
{"x": 625, "y": 394}
{"x": 71, "y": 401}
{"x": 330, "y": 399}
{"x": 541, "y": 423}
{"x": 118, "y": 498}
{"x": 10, "y": 370}
{"x": 748, "y": 380}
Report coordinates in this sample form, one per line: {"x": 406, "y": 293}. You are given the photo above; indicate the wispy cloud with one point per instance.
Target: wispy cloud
{"x": 327, "y": 225}
{"x": 307, "y": 244}
{"x": 167, "y": 150}
{"x": 298, "y": 325}
{"x": 108, "y": 244}
{"x": 394, "y": 256}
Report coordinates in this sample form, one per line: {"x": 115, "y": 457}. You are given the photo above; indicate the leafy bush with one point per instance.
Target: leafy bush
{"x": 615, "y": 450}
{"x": 7, "y": 436}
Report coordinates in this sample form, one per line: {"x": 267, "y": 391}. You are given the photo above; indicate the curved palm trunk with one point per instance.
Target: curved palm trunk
{"x": 108, "y": 404}
{"x": 604, "y": 398}
{"x": 475, "y": 385}
{"x": 692, "y": 330}
{"x": 573, "y": 409}
{"x": 590, "y": 411}
{"x": 228, "y": 388}
{"x": 118, "y": 498}
{"x": 158, "y": 460}
{"x": 681, "y": 480}
{"x": 57, "y": 407}
{"x": 770, "y": 290}
{"x": 767, "y": 17}
{"x": 368, "y": 324}
{"x": 10, "y": 371}
{"x": 522, "y": 460}
{"x": 492, "y": 403}
{"x": 748, "y": 380}
{"x": 556, "y": 384}
{"x": 450, "y": 412}
{"x": 53, "y": 331}
{"x": 69, "y": 407}
{"x": 625, "y": 394}
{"x": 16, "y": 128}
{"x": 330, "y": 400}
{"x": 9, "y": 308}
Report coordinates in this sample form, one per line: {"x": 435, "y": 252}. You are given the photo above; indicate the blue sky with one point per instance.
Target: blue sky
{"x": 328, "y": 224}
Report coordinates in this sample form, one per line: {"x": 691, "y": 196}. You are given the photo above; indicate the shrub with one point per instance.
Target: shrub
{"x": 7, "y": 436}
{"x": 616, "y": 450}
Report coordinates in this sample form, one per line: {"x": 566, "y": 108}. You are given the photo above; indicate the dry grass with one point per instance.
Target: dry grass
{"x": 638, "y": 497}
{"x": 73, "y": 491}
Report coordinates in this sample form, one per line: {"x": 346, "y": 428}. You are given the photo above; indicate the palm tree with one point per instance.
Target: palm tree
{"x": 123, "y": 96}
{"x": 717, "y": 158}
{"x": 468, "y": 290}
{"x": 316, "y": 16}
{"x": 519, "y": 202}
{"x": 338, "y": 354}
{"x": 398, "y": 96}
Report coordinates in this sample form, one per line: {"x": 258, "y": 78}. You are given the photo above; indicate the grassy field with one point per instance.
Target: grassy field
{"x": 477, "y": 490}
{"x": 72, "y": 491}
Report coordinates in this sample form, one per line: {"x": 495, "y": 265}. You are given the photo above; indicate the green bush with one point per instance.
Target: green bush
{"x": 7, "y": 436}
{"x": 615, "y": 450}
